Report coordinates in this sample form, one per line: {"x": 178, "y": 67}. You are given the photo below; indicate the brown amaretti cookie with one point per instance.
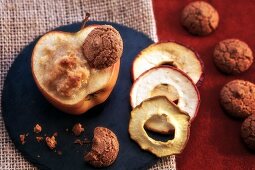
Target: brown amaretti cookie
{"x": 105, "y": 148}
{"x": 200, "y": 18}
{"x": 232, "y": 56}
{"x": 238, "y": 98}
{"x": 248, "y": 131}
{"x": 103, "y": 47}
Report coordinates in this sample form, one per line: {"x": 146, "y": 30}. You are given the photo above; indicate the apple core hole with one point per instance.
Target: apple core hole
{"x": 160, "y": 137}
{"x": 166, "y": 90}
{"x": 176, "y": 101}
{"x": 168, "y": 63}
{"x": 158, "y": 128}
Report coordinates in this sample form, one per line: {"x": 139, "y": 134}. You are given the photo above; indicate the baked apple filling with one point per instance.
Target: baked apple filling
{"x": 67, "y": 75}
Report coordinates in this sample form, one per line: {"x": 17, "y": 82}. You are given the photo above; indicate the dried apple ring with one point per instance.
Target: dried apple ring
{"x": 159, "y": 105}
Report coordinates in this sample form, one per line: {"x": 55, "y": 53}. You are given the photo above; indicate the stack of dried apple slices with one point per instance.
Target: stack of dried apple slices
{"x": 164, "y": 96}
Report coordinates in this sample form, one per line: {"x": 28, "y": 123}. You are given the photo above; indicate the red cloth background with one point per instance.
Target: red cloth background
{"x": 215, "y": 141}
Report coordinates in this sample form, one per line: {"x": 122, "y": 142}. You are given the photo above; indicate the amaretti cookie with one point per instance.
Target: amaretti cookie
{"x": 103, "y": 47}
{"x": 105, "y": 148}
{"x": 232, "y": 56}
{"x": 248, "y": 131}
{"x": 238, "y": 98}
{"x": 200, "y": 18}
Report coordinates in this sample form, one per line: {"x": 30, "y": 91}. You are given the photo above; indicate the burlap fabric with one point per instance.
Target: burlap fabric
{"x": 23, "y": 20}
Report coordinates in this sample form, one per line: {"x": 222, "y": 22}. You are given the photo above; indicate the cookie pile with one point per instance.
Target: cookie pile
{"x": 237, "y": 98}
{"x": 231, "y": 57}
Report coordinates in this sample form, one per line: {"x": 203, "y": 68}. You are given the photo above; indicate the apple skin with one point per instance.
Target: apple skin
{"x": 84, "y": 105}
{"x": 163, "y": 66}
{"x": 152, "y": 140}
{"x": 200, "y": 81}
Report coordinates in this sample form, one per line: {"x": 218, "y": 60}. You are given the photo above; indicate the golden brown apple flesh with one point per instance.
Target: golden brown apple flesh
{"x": 64, "y": 75}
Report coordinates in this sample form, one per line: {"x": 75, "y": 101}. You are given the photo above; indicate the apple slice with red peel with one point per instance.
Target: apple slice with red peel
{"x": 188, "y": 95}
{"x": 172, "y": 54}
{"x": 166, "y": 90}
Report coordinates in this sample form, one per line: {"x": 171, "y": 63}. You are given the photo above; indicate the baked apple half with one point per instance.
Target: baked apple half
{"x": 171, "y": 83}
{"x": 172, "y": 54}
{"x": 76, "y": 71}
{"x": 160, "y": 106}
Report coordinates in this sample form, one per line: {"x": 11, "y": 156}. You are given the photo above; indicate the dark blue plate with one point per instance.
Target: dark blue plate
{"x": 24, "y": 106}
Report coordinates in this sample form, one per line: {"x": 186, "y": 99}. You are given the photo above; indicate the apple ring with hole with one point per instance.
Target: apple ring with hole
{"x": 68, "y": 70}
{"x": 180, "y": 89}
{"x": 160, "y": 106}
{"x": 171, "y": 54}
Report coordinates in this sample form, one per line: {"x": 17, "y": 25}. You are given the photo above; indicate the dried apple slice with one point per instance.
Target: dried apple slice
{"x": 169, "y": 53}
{"x": 158, "y": 106}
{"x": 188, "y": 95}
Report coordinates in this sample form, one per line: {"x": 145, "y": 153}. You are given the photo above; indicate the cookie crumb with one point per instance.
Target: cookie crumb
{"x": 77, "y": 129}
{"x": 37, "y": 128}
{"x": 39, "y": 138}
{"x": 51, "y": 142}
{"x": 22, "y": 138}
{"x": 78, "y": 141}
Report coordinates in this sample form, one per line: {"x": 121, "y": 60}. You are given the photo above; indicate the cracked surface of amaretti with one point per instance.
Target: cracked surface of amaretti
{"x": 232, "y": 56}
{"x": 238, "y": 98}
{"x": 200, "y": 18}
{"x": 103, "y": 47}
{"x": 105, "y": 148}
{"x": 248, "y": 131}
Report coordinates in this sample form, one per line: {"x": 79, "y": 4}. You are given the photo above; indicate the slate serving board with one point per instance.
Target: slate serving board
{"x": 23, "y": 106}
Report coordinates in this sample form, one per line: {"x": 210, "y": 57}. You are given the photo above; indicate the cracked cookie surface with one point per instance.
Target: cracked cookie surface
{"x": 238, "y": 98}
{"x": 248, "y": 131}
{"x": 200, "y": 18}
{"x": 105, "y": 148}
{"x": 103, "y": 47}
{"x": 232, "y": 56}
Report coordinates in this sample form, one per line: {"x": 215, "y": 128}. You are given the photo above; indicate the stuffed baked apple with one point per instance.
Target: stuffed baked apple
{"x": 76, "y": 71}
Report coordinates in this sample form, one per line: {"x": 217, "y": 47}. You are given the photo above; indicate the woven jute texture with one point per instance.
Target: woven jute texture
{"x": 23, "y": 20}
